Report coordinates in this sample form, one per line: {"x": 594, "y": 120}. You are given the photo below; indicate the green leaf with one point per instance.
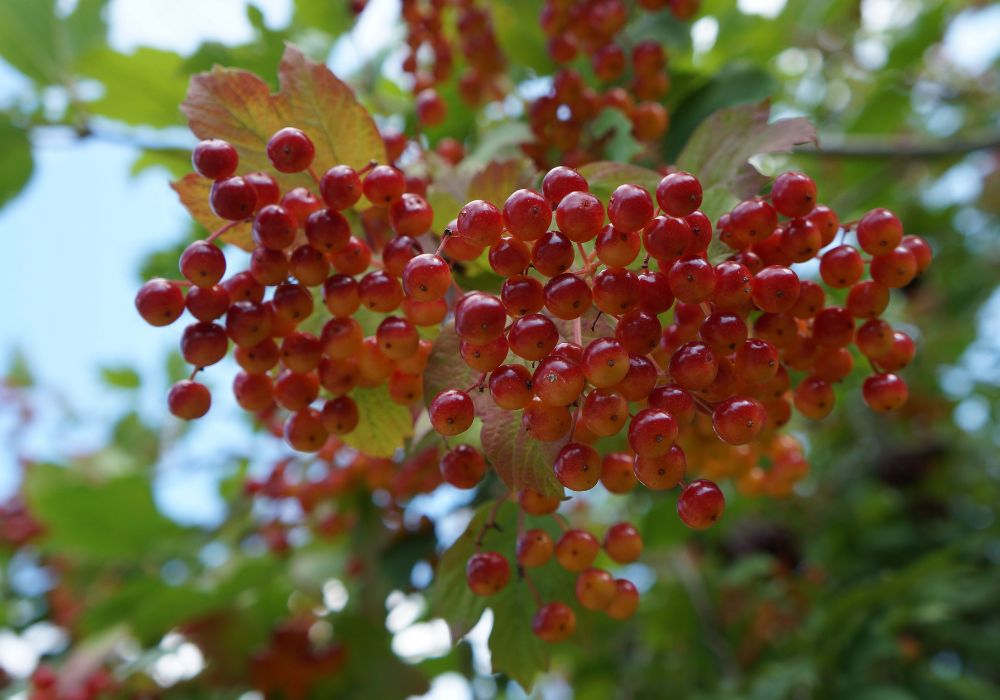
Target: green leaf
{"x": 520, "y": 460}
{"x": 161, "y": 75}
{"x": 120, "y": 377}
{"x": 446, "y": 370}
{"x": 498, "y": 179}
{"x": 720, "y": 149}
{"x": 615, "y": 129}
{"x": 113, "y": 519}
{"x": 18, "y": 163}
{"x": 383, "y": 425}
{"x": 44, "y": 46}
{"x": 515, "y": 650}
{"x": 736, "y": 84}
{"x": 18, "y": 373}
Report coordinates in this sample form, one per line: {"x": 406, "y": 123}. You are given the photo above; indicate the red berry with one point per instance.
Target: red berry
{"x": 576, "y": 550}
{"x": 559, "y": 182}
{"x": 793, "y": 194}
{"x": 431, "y": 109}
{"x": 510, "y": 386}
{"x": 527, "y": 215}
{"x": 426, "y": 277}
{"x": 894, "y": 269}
{"x": 189, "y": 400}
{"x": 480, "y": 317}
{"x": 203, "y": 264}
{"x": 701, "y": 504}
{"x": 233, "y": 198}
{"x": 652, "y": 432}
{"x": 383, "y": 184}
{"x": 625, "y": 601}
{"x": 580, "y": 216}
{"x": 215, "y": 159}
{"x": 679, "y": 194}
{"x": 879, "y": 231}
{"x": 534, "y": 548}
{"x": 554, "y": 622}
{"x": 340, "y": 187}
{"x": 623, "y": 543}
{"x": 630, "y": 208}
{"x": 204, "y": 344}
{"x": 480, "y": 222}
{"x": 290, "y": 150}
{"x": 451, "y": 412}
{"x": 595, "y": 588}
{"x": 340, "y": 415}
{"x": 738, "y": 420}
{"x": 410, "y": 215}
{"x": 884, "y": 392}
{"x": 775, "y": 289}
{"x": 463, "y": 467}
{"x": 578, "y": 467}
{"x": 305, "y": 430}
{"x": 160, "y": 302}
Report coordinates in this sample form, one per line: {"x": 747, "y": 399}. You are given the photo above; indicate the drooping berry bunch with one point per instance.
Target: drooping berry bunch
{"x": 711, "y": 390}
{"x": 593, "y": 29}
{"x": 303, "y": 243}
{"x": 427, "y": 35}
{"x": 576, "y": 550}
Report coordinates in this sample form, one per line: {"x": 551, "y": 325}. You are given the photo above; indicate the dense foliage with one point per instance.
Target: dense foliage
{"x": 466, "y": 391}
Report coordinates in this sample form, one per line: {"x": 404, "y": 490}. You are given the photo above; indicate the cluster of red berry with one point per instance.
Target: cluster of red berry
{"x": 739, "y": 328}
{"x": 488, "y": 572}
{"x": 426, "y": 34}
{"x": 45, "y": 684}
{"x": 299, "y": 235}
{"x": 560, "y": 119}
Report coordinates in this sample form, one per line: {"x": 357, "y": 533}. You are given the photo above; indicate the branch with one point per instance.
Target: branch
{"x": 902, "y": 147}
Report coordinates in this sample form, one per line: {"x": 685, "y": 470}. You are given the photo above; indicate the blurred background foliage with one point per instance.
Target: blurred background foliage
{"x": 878, "y": 580}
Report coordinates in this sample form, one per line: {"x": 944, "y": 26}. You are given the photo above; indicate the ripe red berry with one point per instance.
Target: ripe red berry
{"x": 922, "y": 252}
{"x": 451, "y": 412}
{"x": 894, "y": 269}
{"x": 426, "y": 277}
{"x": 554, "y": 622}
{"x": 625, "y": 601}
{"x": 431, "y": 109}
{"x": 652, "y": 432}
{"x": 233, "y": 198}
{"x": 273, "y": 227}
{"x": 679, "y": 194}
{"x": 480, "y": 317}
{"x": 215, "y": 159}
{"x": 605, "y": 362}
{"x": 557, "y": 381}
{"x": 775, "y": 289}
{"x": 841, "y": 267}
{"x": 630, "y": 208}
{"x": 527, "y": 215}
{"x": 510, "y": 386}
{"x": 189, "y": 400}
{"x": 305, "y": 430}
{"x": 265, "y": 187}
{"x": 623, "y": 543}
{"x": 694, "y": 366}
{"x": 793, "y": 194}
{"x": 383, "y": 184}
{"x": 667, "y": 237}
{"x": 204, "y": 344}
{"x": 463, "y": 467}
{"x": 867, "y": 299}
{"x": 580, "y": 216}
{"x": 879, "y": 231}
{"x": 410, "y": 215}
{"x": 203, "y": 264}
{"x": 739, "y": 419}
{"x": 595, "y": 588}
{"x": 509, "y": 257}
{"x": 253, "y": 392}
{"x": 692, "y": 280}
{"x": 534, "y": 548}
{"x": 884, "y": 392}
{"x": 701, "y": 504}
{"x": 552, "y": 254}
{"x": 480, "y": 222}
{"x": 559, "y": 182}
{"x": 814, "y": 398}
{"x": 578, "y": 467}
{"x": 340, "y": 415}
{"x": 522, "y": 295}
{"x": 160, "y": 302}
{"x": 616, "y": 290}
{"x": 660, "y": 473}
{"x": 576, "y": 550}
{"x": 340, "y": 187}
{"x": 290, "y": 150}
{"x": 566, "y": 296}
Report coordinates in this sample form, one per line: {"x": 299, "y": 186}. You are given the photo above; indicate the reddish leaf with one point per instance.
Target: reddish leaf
{"x": 238, "y": 106}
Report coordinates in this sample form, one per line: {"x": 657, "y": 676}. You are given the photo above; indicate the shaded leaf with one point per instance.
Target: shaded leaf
{"x": 238, "y": 106}
{"x": 383, "y": 425}
{"x": 84, "y": 517}
{"x": 720, "y": 149}
{"x": 498, "y": 179}
{"x": 156, "y": 103}
{"x": 18, "y": 162}
{"x": 520, "y": 460}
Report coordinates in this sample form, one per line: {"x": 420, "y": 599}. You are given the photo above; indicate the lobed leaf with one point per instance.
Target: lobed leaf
{"x": 520, "y": 460}
{"x": 719, "y": 150}
{"x": 238, "y": 106}
{"x": 383, "y": 425}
